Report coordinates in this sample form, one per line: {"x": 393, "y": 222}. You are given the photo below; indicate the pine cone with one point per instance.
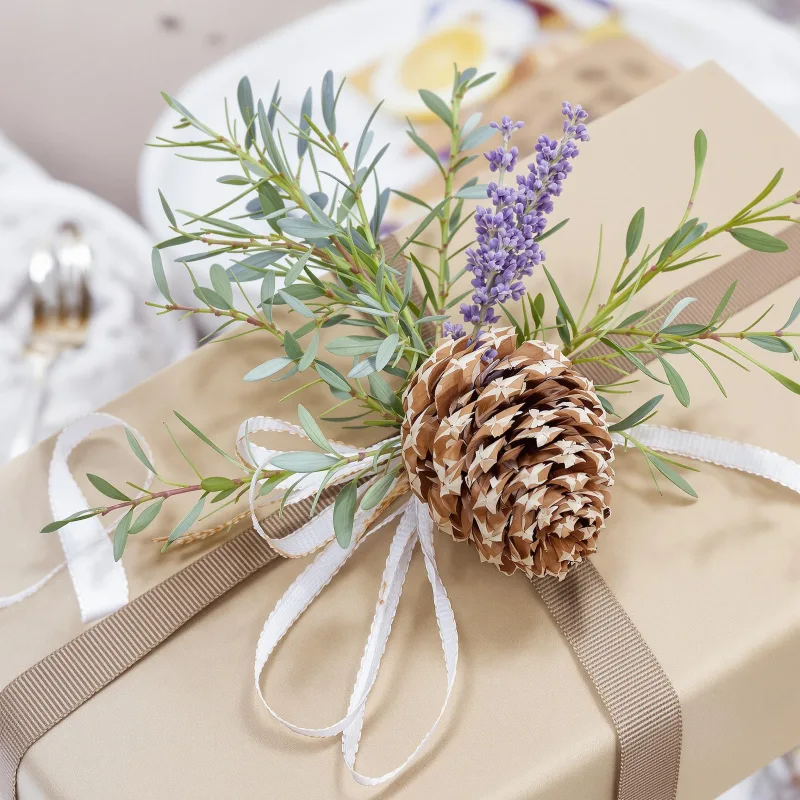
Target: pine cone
{"x": 513, "y": 456}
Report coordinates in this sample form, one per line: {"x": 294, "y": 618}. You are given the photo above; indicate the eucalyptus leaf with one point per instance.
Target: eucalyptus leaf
{"x": 303, "y": 461}
{"x": 137, "y": 450}
{"x": 310, "y": 354}
{"x": 121, "y": 534}
{"x": 438, "y": 106}
{"x": 478, "y": 137}
{"x": 758, "y": 240}
{"x": 353, "y": 345}
{"x": 344, "y": 510}
{"x": 772, "y": 343}
{"x": 305, "y": 228}
{"x": 328, "y": 102}
{"x": 167, "y": 210}
{"x": 793, "y": 316}
{"x": 305, "y": 111}
{"x": 185, "y": 523}
{"x": 160, "y": 277}
{"x": 247, "y": 107}
{"x": 363, "y": 368}
{"x": 377, "y": 491}
{"x": 332, "y": 376}
{"x": 476, "y": 192}
{"x": 149, "y": 513}
{"x": 313, "y": 431}
{"x": 212, "y": 298}
{"x": 221, "y": 283}
{"x": 296, "y": 305}
{"x": 291, "y": 347}
{"x": 104, "y": 487}
{"x": 386, "y": 351}
{"x": 634, "y": 235}
{"x": 677, "y": 383}
{"x": 676, "y": 309}
{"x": 268, "y": 368}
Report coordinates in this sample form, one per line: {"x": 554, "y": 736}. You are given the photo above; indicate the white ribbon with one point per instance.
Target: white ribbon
{"x": 100, "y": 584}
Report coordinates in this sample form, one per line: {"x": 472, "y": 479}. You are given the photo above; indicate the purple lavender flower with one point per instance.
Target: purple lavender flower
{"x": 455, "y": 330}
{"x": 507, "y": 232}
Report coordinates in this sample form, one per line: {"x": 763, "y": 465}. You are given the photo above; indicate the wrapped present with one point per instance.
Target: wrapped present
{"x": 702, "y": 592}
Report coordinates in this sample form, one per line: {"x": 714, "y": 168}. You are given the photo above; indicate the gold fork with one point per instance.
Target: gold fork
{"x": 58, "y": 276}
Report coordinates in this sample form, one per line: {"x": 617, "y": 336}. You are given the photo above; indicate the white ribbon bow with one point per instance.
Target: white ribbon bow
{"x": 101, "y": 587}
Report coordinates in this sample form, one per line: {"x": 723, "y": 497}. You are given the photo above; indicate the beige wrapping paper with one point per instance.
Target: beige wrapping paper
{"x": 712, "y": 585}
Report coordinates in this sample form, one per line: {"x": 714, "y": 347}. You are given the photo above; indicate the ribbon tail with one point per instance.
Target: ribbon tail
{"x": 721, "y": 452}
{"x": 421, "y": 519}
{"x": 24, "y": 594}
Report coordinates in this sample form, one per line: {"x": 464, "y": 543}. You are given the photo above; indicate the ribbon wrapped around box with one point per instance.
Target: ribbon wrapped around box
{"x": 710, "y": 586}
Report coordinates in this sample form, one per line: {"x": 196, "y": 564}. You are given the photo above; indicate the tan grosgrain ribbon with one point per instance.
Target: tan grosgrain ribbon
{"x": 640, "y": 699}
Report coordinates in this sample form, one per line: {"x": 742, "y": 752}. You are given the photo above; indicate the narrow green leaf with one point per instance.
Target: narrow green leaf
{"x": 793, "y": 316}
{"x": 310, "y": 354}
{"x": 146, "y": 517}
{"x": 723, "y": 303}
{"x": 304, "y": 228}
{"x": 104, "y": 487}
{"x": 137, "y": 450}
{"x": 476, "y": 192}
{"x": 303, "y": 461}
{"x": 550, "y": 231}
{"x": 377, "y": 491}
{"x": 167, "y": 210}
{"x": 354, "y": 345}
{"x": 121, "y": 534}
{"x": 386, "y": 351}
{"x": 634, "y": 235}
{"x": 344, "y": 510}
{"x": 203, "y": 438}
{"x": 700, "y": 150}
{"x": 475, "y": 139}
{"x": 296, "y": 305}
{"x": 632, "y": 357}
{"x": 160, "y": 277}
{"x": 676, "y": 309}
{"x": 562, "y": 303}
{"x": 268, "y": 368}
{"x": 217, "y": 484}
{"x": 328, "y": 102}
{"x": 676, "y": 382}
{"x": 211, "y": 298}
{"x": 637, "y": 416}
{"x": 438, "y": 106}
{"x": 291, "y": 347}
{"x": 221, "y": 283}
{"x": 332, "y": 376}
{"x": 247, "y": 107}
{"x": 305, "y": 111}
{"x": 772, "y": 343}
{"x": 185, "y": 523}
{"x": 313, "y": 431}
{"x": 482, "y": 79}
{"x": 363, "y": 368}
{"x": 671, "y": 475}
{"x": 424, "y": 224}
{"x": 758, "y": 240}
{"x": 429, "y": 151}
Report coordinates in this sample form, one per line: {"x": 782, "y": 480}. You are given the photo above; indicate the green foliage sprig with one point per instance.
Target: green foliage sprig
{"x": 334, "y": 272}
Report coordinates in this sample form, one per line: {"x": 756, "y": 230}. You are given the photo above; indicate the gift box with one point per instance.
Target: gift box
{"x": 710, "y": 584}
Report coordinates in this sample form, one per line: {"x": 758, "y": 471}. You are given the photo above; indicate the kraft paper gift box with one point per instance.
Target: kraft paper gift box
{"x": 713, "y": 585}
